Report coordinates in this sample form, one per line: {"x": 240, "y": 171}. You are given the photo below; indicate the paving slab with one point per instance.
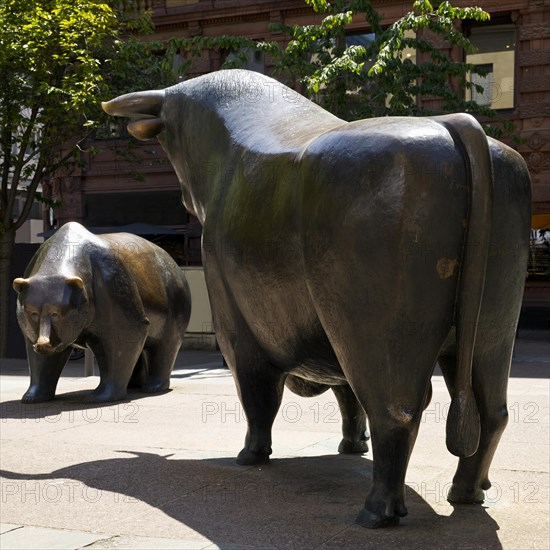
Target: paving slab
{"x": 159, "y": 471}
{"x": 38, "y": 538}
{"x": 121, "y": 542}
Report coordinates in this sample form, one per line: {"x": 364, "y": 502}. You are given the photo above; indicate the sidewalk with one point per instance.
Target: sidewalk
{"x": 158, "y": 472}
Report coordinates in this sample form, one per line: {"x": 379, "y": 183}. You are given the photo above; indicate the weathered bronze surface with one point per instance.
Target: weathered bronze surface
{"x": 352, "y": 255}
{"x": 118, "y": 294}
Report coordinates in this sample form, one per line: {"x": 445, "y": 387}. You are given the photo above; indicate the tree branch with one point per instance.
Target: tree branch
{"x": 6, "y": 151}
{"x": 54, "y": 166}
{"x": 31, "y": 191}
{"x": 19, "y": 165}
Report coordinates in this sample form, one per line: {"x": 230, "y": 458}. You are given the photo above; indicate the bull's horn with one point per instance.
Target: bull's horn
{"x": 148, "y": 103}
{"x": 20, "y": 284}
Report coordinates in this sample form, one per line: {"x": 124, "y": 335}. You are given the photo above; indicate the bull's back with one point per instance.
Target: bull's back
{"x": 385, "y": 211}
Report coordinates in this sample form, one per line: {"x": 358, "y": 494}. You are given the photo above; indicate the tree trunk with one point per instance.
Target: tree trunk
{"x": 7, "y": 242}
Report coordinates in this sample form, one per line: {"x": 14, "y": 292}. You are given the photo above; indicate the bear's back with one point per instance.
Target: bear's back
{"x": 62, "y": 253}
{"x": 159, "y": 279}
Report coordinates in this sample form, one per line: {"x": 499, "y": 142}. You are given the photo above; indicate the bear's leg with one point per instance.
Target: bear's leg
{"x": 139, "y": 373}
{"x": 160, "y": 360}
{"x": 45, "y": 371}
{"x": 116, "y": 360}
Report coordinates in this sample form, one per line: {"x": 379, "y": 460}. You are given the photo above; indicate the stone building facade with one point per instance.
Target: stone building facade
{"x": 514, "y": 48}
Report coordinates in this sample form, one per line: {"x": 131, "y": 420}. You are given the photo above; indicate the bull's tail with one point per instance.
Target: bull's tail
{"x": 463, "y": 422}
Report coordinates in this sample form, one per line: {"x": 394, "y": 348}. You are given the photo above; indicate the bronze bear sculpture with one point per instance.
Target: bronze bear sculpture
{"x": 120, "y": 295}
{"x": 356, "y": 253}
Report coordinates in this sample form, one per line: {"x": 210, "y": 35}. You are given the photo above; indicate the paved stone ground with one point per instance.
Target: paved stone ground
{"x": 159, "y": 471}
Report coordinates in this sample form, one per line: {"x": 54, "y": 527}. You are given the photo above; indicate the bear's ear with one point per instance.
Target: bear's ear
{"x": 20, "y": 284}
{"x": 75, "y": 282}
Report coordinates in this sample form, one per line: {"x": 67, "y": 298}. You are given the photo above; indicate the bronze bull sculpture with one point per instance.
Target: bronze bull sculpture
{"x": 353, "y": 253}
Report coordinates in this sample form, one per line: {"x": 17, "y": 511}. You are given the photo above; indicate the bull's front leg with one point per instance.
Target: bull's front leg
{"x": 259, "y": 384}
{"x": 260, "y": 388}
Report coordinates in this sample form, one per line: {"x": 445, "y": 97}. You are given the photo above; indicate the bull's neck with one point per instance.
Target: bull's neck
{"x": 207, "y": 181}
{"x": 203, "y": 158}
{"x": 197, "y": 184}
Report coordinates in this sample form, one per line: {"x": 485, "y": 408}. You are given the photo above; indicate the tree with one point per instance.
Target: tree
{"x": 378, "y": 78}
{"x": 373, "y": 77}
{"x": 58, "y": 60}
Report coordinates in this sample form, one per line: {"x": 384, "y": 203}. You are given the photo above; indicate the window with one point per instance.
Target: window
{"x": 495, "y": 58}
{"x": 365, "y": 40}
{"x": 485, "y": 79}
{"x": 538, "y": 267}
{"x": 250, "y": 59}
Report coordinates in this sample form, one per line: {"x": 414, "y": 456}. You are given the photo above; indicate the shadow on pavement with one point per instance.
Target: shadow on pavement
{"x": 291, "y": 503}
{"x": 69, "y": 402}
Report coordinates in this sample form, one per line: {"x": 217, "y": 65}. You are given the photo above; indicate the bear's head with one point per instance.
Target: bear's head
{"x": 52, "y": 311}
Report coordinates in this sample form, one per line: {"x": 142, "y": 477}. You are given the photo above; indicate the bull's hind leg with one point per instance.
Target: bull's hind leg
{"x": 391, "y": 381}
{"x": 390, "y": 375}
{"x": 354, "y": 421}
{"x": 394, "y": 418}
{"x": 490, "y": 380}
{"x": 505, "y": 280}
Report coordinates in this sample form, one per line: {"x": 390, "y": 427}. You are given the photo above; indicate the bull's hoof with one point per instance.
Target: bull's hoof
{"x": 348, "y": 447}
{"x": 249, "y": 458}
{"x": 372, "y": 520}
{"x": 459, "y": 494}
{"x": 34, "y": 395}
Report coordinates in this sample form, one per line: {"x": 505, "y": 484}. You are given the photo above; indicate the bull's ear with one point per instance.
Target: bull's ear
{"x": 20, "y": 284}
{"x": 75, "y": 282}
{"x": 146, "y": 128}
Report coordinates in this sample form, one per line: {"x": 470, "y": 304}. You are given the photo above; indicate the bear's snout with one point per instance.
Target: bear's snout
{"x": 44, "y": 346}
